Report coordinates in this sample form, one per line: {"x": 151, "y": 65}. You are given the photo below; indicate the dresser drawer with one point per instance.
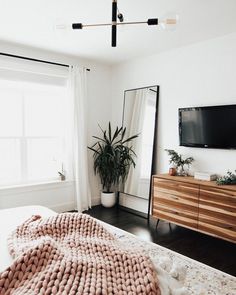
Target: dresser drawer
{"x": 175, "y": 201}
{"x": 217, "y": 212}
{"x": 183, "y": 189}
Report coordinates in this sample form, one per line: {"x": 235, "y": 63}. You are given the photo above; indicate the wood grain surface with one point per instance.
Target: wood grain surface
{"x": 217, "y": 212}
{"x": 176, "y": 201}
{"x": 199, "y": 205}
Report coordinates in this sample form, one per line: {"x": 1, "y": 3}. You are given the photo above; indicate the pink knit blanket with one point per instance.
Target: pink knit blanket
{"x": 74, "y": 254}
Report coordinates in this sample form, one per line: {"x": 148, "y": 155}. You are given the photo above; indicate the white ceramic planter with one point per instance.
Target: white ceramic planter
{"x": 108, "y": 199}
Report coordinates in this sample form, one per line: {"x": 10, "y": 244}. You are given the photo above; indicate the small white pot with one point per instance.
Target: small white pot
{"x": 108, "y": 199}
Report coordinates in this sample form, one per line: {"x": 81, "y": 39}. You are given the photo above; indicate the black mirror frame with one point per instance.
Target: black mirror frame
{"x": 154, "y": 151}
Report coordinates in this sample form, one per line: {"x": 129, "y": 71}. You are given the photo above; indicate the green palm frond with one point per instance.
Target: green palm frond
{"x": 130, "y": 138}
{"x": 177, "y": 159}
{"x": 99, "y": 138}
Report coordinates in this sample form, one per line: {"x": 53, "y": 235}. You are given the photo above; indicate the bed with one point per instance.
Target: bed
{"x": 9, "y": 220}
{"x": 177, "y": 274}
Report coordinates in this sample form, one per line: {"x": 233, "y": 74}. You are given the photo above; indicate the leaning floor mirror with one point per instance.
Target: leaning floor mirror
{"x": 140, "y": 117}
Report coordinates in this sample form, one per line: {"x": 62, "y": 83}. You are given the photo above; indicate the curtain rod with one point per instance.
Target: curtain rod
{"x": 36, "y": 60}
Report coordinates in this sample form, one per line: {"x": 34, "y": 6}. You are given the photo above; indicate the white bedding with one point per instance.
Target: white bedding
{"x": 9, "y": 220}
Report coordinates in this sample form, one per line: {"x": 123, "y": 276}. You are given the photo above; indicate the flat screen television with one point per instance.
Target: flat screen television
{"x": 208, "y": 127}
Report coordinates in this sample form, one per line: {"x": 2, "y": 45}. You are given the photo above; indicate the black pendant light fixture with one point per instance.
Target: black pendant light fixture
{"x": 116, "y": 14}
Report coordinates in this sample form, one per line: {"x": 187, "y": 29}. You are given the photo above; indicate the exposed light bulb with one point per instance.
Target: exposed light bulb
{"x": 62, "y": 24}
{"x": 62, "y": 27}
{"x": 169, "y": 22}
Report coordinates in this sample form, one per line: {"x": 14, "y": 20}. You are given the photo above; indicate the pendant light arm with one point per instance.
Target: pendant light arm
{"x": 150, "y": 22}
{"x": 80, "y": 26}
{"x": 95, "y": 25}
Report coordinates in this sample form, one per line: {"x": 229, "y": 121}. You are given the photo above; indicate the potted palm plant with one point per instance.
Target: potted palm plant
{"x": 113, "y": 156}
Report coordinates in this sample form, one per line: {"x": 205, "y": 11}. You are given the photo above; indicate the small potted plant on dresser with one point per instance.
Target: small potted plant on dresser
{"x": 179, "y": 163}
{"x": 228, "y": 179}
{"x": 113, "y": 156}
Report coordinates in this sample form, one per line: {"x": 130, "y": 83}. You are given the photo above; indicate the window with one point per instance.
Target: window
{"x": 32, "y": 132}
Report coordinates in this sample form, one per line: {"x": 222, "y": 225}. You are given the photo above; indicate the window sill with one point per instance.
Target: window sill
{"x": 20, "y": 188}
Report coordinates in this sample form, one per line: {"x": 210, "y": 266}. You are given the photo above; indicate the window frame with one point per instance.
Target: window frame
{"x": 23, "y": 141}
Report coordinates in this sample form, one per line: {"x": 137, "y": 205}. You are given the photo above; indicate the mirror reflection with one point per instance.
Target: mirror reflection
{"x": 139, "y": 117}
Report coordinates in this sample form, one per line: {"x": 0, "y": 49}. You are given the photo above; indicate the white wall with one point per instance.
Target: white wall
{"x": 99, "y": 94}
{"x": 196, "y": 75}
{"x": 60, "y": 197}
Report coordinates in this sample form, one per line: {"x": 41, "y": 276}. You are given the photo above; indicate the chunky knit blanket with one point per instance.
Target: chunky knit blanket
{"x": 74, "y": 254}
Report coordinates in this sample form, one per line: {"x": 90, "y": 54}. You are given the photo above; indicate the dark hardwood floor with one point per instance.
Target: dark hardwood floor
{"x": 209, "y": 250}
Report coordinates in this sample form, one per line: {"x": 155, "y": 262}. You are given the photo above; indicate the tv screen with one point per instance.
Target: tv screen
{"x": 209, "y": 127}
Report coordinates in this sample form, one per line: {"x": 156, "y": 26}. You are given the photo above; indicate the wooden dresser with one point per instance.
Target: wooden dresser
{"x": 200, "y": 205}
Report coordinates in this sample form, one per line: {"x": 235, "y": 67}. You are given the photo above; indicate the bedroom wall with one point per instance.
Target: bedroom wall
{"x": 60, "y": 197}
{"x": 197, "y": 75}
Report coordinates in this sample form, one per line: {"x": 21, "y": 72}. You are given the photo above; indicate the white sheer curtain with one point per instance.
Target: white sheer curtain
{"x": 136, "y": 126}
{"x": 78, "y": 136}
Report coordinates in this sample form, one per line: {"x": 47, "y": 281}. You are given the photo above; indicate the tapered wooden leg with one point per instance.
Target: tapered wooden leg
{"x": 157, "y": 223}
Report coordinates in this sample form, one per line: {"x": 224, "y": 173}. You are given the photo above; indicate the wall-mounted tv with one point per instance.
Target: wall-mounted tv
{"x": 209, "y": 127}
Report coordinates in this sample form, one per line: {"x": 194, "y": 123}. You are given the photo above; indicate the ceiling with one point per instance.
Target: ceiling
{"x": 33, "y": 23}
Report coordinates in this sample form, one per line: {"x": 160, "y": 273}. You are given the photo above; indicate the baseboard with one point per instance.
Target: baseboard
{"x": 141, "y": 214}
{"x": 96, "y": 201}
{"x": 63, "y": 207}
